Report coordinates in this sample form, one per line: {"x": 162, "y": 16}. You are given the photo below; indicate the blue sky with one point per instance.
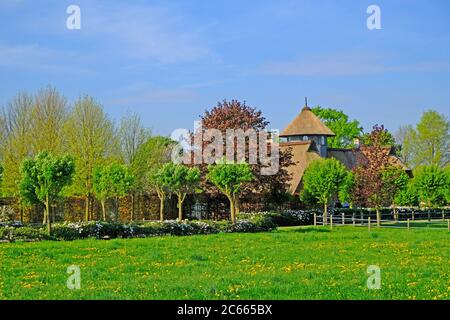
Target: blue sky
{"x": 171, "y": 60}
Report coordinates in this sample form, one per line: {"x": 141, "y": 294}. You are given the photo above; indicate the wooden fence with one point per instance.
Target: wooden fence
{"x": 436, "y": 219}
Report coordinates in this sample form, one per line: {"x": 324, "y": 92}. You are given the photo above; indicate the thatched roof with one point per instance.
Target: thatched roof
{"x": 346, "y": 156}
{"x": 303, "y": 153}
{"x": 306, "y": 123}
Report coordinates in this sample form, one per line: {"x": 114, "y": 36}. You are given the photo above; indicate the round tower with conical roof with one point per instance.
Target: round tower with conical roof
{"x": 308, "y": 127}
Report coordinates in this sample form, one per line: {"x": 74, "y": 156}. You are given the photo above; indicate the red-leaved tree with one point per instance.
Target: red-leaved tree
{"x": 237, "y": 115}
{"x": 371, "y": 189}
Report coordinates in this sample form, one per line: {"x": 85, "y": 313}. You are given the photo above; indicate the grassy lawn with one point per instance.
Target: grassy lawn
{"x": 291, "y": 263}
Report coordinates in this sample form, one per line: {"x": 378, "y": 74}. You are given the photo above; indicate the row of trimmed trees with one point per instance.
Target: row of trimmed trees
{"x": 45, "y": 177}
{"x": 46, "y": 122}
{"x": 181, "y": 180}
{"x": 375, "y": 182}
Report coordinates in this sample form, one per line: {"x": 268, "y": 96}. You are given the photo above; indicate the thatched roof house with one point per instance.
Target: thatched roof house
{"x": 306, "y": 136}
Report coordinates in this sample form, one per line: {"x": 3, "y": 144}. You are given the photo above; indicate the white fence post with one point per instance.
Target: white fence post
{"x": 331, "y": 222}
{"x": 343, "y": 218}
{"x": 315, "y": 219}
{"x": 369, "y": 223}
{"x": 408, "y": 224}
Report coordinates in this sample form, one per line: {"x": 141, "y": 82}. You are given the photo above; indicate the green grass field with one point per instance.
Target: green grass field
{"x": 291, "y": 263}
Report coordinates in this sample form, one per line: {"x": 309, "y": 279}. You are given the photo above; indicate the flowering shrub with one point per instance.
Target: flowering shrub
{"x": 176, "y": 228}
{"x": 241, "y": 226}
{"x": 22, "y": 233}
{"x": 147, "y": 229}
{"x": 252, "y": 224}
{"x": 282, "y": 218}
{"x": 91, "y": 229}
{"x": 107, "y": 230}
{"x": 204, "y": 227}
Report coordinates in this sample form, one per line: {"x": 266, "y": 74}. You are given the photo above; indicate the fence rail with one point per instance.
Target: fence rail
{"x": 341, "y": 219}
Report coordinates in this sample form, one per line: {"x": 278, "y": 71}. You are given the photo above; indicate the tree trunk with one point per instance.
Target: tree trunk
{"x": 395, "y": 211}
{"x": 161, "y": 209}
{"x": 86, "y": 208}
{"x": 232, "y": 209}
{"x": 237, "y": 206}
{"x": 91, "y": 208}
{"x": 325, "y": 214}
{"x": 132, "y": 207}
{"x": 378, "y": 217}
{"x": 44, "y": 220}
{"x": 117, "y": 208}
{"x": 180, "y": 208}
{"x": 47, "y": 209}
{"x": 103, "y": 210}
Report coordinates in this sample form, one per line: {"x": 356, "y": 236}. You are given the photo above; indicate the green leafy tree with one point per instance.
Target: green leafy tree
{"x": 132, "y": 136}
{"x": 111, "y": 181}
{"x": 431, "y": 184}
{"x": 43, "y": 179}
{"x": 407, "y": 197}
{"x": 49, "y": 114}
{"x": 17, "y": 144}
{"x": 346, "y": 130}
{"x": 156, "y": 181}
{"x": 447, "y": 192}
{"x": 346, "y": 189}
{"x": 323, "y": 179}
{"x": 432, "y": 140}
{"x": 229, "y": 178}
{"x": 91, "y": 139}
{"x": 181, "y": 180}
{"x": 428, "y": 143}
{"x": 395, "y": 181}
{"x": 149, "y": 157}
{"x": 406, "y": 137}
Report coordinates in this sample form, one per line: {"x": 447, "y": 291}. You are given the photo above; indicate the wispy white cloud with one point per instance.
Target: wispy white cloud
{"x": 119, "y": 35}
{"x": 146, "y": 93}
{"x": 145, "y": 33}
{"x": 347, "y": 64}
{"x": 33, "y": 57}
